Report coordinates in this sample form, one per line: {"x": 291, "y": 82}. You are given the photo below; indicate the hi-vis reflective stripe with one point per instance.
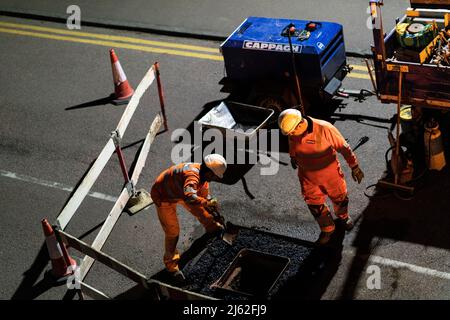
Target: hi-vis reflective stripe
{"x": 187, "y": 167}
{"x": 190, "y": 189}
{"x": 193, "y": 197}
{"x": 54, "y": 249}
{"x": 119, "y": 74}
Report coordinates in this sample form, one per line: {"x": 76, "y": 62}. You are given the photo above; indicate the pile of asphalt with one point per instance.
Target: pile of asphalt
{"x": 205, "y": 269}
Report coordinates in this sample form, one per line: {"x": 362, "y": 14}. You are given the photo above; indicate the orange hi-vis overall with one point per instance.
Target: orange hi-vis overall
{"x": 319, "y": 170}
{"x": 180, "y": 184}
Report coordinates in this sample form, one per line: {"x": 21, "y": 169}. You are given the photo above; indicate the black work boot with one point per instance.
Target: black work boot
{"x": 347, "y": 223}
{"x": 324, "y": 238}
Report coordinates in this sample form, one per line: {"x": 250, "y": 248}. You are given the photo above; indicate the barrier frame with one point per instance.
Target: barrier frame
{"x": 93, "y": 252}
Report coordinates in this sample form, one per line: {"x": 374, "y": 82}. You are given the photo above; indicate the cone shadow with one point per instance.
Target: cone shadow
{"x": 98, "y": 102}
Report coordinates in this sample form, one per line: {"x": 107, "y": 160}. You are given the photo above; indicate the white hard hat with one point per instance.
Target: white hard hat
{"x": 216, "y": 163}
{"x": 289, "y": 120}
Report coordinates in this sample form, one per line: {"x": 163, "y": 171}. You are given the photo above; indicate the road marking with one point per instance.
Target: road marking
{"x": 417, "y": 269}
{"x": 354, "y": 66}
{"x": 105, "y": 40}
{"x": 114, "y": 44}
{"x": 109, "y": 37}
{"x": 54, "y": 185}
{"x": 358, "y": 75}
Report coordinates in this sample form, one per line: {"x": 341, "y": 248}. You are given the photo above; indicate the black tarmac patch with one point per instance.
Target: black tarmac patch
{"x": 302, "y": 277}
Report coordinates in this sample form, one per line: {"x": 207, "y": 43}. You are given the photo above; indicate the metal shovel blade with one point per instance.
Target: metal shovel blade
{"x": 138, "y": 202}
{"x": 230, "y": 234}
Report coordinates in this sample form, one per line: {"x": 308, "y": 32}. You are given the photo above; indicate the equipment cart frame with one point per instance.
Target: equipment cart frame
{"x": 417, "y": 82}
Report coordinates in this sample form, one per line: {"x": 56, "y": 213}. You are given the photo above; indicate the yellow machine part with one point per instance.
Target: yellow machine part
{"x": 415, "y": 40}
{"x": 434, "y": 148}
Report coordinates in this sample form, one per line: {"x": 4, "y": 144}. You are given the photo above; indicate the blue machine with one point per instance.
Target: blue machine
{"x": 258, "y": 51}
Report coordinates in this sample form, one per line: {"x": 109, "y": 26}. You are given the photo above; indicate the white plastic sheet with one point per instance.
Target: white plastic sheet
{"x": 219, "y": 116}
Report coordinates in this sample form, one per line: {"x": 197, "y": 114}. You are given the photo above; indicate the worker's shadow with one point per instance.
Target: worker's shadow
{"x": 395, "y": 217}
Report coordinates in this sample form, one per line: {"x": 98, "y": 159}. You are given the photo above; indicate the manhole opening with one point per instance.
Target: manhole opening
{"x": 252, "y": 273}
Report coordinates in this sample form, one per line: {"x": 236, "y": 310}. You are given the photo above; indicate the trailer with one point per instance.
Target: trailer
{"x": 412, "y": 69}
{"x": 280, "y": 63}
{"x": 403, "y": 58}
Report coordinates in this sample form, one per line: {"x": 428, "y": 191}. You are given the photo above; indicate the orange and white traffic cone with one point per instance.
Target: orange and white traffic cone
{"x": 61, "y": 266}
{"x": 122, "y": 89}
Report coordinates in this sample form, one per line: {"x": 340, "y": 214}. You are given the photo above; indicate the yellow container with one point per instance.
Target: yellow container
{"x": 434, "y": 148}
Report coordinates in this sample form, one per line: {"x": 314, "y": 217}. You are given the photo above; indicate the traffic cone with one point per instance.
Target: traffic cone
{"x": 122, "y": 89}
{"x": 60, "y": 268}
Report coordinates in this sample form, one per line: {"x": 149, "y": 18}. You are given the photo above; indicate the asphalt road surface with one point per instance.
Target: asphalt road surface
{"x": 216, "y": 18}
{"x": 54, "y": 126}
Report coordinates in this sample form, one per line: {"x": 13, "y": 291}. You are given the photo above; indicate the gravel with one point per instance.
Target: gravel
{"x": 305, "y": 262}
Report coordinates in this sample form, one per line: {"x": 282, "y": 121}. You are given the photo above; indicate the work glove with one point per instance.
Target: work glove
{"x": 293, "y": 163}
{"x": 357, "y": 174}
{"x": 212, "y": 204}
{"x": 220, "y": 226}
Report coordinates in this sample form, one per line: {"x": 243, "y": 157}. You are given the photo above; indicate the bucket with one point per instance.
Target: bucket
{"x": 407, "y": 125}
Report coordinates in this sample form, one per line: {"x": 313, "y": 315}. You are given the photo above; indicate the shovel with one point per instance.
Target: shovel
{"x": 230, "y": 232}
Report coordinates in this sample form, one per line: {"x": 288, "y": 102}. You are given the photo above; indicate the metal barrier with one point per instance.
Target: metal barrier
{"x": 93, "y": 252}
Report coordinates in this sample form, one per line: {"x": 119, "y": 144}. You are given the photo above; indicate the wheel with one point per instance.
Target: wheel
{"x": 271, "y": 102}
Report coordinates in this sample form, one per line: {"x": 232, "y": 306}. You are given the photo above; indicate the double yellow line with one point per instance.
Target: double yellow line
{"x": 128, "y": 43}
{"x": 111, "y": 41}
{"x": 355, "y": 74}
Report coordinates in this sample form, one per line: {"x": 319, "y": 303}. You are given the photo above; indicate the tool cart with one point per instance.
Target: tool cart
{"x": 412, "y": 69}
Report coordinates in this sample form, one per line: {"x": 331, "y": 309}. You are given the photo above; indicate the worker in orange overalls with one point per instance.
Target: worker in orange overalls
{"x": 312, "y": 146}
{"x": 186, "y": 184}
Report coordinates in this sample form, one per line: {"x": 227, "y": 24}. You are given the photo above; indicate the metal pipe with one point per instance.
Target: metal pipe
{"x": 369, "y": 69}
{"x": 297, "y": 80}
{"x": 123, "y": 166}
{"x": 378, "y": 32}
{"x": 116, "y": 138}
{"x": 161, "y": 96}
{"x": 397, "y": 142}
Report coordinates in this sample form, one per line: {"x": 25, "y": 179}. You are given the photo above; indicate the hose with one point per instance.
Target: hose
{"x": 395, "y": 192}
{"x": 386, "y": 155}
{"x": 375, "y": 196}
{"x": 398, "y": 196}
